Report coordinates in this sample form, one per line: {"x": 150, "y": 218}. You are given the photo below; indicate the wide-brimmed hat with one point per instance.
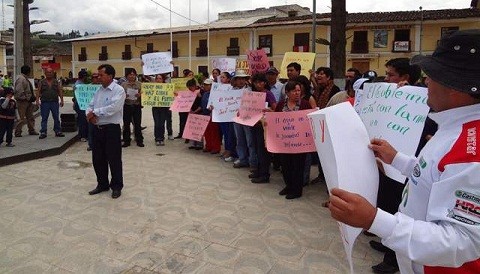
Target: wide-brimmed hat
{"x": 240, "y": 73}
{"x": 455, "y": 63}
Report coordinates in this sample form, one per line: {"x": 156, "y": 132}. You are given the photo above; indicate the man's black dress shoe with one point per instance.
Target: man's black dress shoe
{"x": 283, "y": 192}
{"x": 378, "y": 246}
{"x": 116, "y": 194}
{"x": 293, "y": 196}
{"x": 384, "y": 268}
{"x": 97, "y": 190}
{"x": 260, "y": 180}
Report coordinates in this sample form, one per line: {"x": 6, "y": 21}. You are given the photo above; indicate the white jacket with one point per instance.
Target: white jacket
{"x": 438, "y": 223}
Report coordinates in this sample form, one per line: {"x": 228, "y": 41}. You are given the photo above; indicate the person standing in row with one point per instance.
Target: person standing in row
{"x": 48, "y": 93}
{"x": 25, "y": 97}
{"x": 161, "y": 115}
{"x": 105, "y": 112}
{"x": 8, "y": 105}
{"x": 132, "y": 110}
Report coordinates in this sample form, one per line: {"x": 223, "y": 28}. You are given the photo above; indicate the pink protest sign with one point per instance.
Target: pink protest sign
{"x": 183, "y": 101}
{"x": 257, "y": 61}
{"x": 289, "y": 132}
{"x": 195, "y": 127}
{"x": 251, "y": 108}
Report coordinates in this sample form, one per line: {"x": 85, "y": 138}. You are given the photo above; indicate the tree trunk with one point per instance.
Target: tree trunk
{"x": 27, "y": 40}
{"x": 338, "y": 41}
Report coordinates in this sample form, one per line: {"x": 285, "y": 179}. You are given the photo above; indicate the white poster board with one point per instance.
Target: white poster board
{"x": 342, "y": 145}
{"x": 395, "y": 114}
{"x": 224, "y": 64}
{"x": 157, "y": 62}
{"x": 225, "y": 101}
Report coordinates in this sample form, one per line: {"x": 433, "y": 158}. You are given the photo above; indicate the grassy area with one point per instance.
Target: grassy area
{"x": 67, "y": 91}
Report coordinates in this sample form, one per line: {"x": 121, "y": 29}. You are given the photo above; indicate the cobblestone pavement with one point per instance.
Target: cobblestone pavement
{"x": 181, "y": 211}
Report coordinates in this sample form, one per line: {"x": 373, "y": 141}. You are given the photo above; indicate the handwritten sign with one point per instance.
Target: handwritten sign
{"x": 342, "y": 144}
{"x": 195, "y": 127}
{"x": 305, "y": 59}
{"x": 180, "y": 83}
{"x": 225, "y": 102}
{"x": 251, "y": 108}
{"x": 157, "y": 62}
{"x": 183, "y": 101}
{"x": 257, "y": 61}
{"x": 289, "y": 132}
{"x": 243, "y": 64}
{"x": 157, "y": 94}
{"x": 396, "y": 115}
{"x": 84, "y": 94}
{"x": 224, "y": 64}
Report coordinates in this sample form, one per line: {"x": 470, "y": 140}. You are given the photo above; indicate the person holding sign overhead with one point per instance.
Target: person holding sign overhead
{"x": 437, "y": 228}
{"x": 132, "y": 110}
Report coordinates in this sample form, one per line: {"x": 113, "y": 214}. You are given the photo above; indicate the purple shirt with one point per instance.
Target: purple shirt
{"x": 270, "y": 98}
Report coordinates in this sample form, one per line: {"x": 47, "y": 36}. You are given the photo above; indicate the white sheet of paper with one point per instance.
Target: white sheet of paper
{"x": 396, "y": 115}
{"x": 225, "y": 101}
{"x": 157, "y": 62}
{"x": 131, "y": 93}
{"x": 347, "y": 162}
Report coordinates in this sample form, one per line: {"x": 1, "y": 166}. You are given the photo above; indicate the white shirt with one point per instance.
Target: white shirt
{"x": 107, "y": 104}
{"x": 277, "y": 90}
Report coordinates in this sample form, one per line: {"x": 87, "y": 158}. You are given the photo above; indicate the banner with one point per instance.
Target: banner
{"x": 183, "y": 101}
{"x": 289, "y": 132}
{"x": 396, "y": 115}
{"x": 251, "y": 108}
{"x": 225, "y": 101}
{"x": 195, "y": 127}
{"x": 157, "y": 94}
{"x": 84, "y": 94}
{"x": 257, "y": 61}
{"x": 305, "y": 59}
{"x": 243, "y": 65}
{"x": 342, "y": 144}
{"x": 224, "y": 64}
{"x": 157, "y": 62}
{"x": 180, "y": 83}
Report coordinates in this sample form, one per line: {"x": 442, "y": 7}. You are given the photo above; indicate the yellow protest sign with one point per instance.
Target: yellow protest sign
{"x": 243, "y": 64}
{"x": 305, "y": 59}
{"x": 180, "y": 83}
{"x": 157, "y": 94}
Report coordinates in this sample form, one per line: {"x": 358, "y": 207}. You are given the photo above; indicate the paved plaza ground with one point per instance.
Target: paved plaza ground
{"x": 181, "y": 211}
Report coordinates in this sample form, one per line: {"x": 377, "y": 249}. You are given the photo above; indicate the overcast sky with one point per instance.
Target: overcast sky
{"x": 119, "y": 15}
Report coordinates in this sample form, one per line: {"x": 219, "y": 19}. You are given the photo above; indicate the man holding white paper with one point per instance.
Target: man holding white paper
{"x": 437, "y": 228}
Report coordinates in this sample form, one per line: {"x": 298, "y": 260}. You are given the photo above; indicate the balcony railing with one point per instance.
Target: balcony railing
{"x": 82, "y": 57}
{"x": 401, "y": 46}
{"x": 102, "y": 56}
{"x": 359, "y": 47}
{"x": 300, "y": 48}
{"x": 233, "y": 51}
{"x": 126, "y": 55}
{"x": 201, "y": 52}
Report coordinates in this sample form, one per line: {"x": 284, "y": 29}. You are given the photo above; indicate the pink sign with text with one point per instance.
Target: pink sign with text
{"x": 183, "y": 101}
{"x": 257, "y": 61}
{"x": 195, "y": 127}
{"x": 251, "y": 108}
{"x": 289, "y": 132}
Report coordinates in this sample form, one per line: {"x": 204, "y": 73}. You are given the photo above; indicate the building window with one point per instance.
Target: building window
{"x": 301, "y": 41}
{"x": 203, "y": 70}
{"x": 202, "y": 49}
{"x": 175, "y": 49}
{"x": 401, "y": 41}
{"x": 233, "y": 49}
{"x": 149, "y": 47}
{"x": 102, "y": 56}
{"x": 127, "y": 54}
{"x": 360, "y": 42}
{"x": 82, "y": 57}
{"x": 265, "y": 42}
{"x": 447, "y": 30}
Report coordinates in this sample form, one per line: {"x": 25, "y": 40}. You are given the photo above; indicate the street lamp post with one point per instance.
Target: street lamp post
{"x": 421, "y": 30}
{"x": 18, "y": 37}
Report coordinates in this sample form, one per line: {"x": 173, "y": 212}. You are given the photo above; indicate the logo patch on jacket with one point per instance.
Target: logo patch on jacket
{"x": 466, "y": 204}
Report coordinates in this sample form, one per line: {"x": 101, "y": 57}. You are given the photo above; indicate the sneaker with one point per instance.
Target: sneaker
{"x": 59, "y": 134}
{"x": 42, "y": 136}
{"x": 162, "y": 143}
{"x": 236, "y": 162}
{"x": 170, "y": 137}
{"x": 157, "y": 143}
{"x": 9, "y": 145}
{"x": 229, "y": 159}
{"x": 83, "y": 139}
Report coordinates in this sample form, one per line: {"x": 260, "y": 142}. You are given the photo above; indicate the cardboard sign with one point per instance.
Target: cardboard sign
{"x": 289, "y": 132}
{"x": 257, "y": 61}
{"x": 195, "y": 127}
{"x": 180, "y": 83}
{"x": 157, "y": 94}
{"x": 224, "y": 64}
{"x": 183, "y": 101}
{"x": 396, "y": 115}
{"x": 84, "y": 94}
{"x": 243, "y": 64}
{"x": 157, "y": 62}
{"x": 251, "y": 108}
{"x": 347, "y": 162}
{"x": 225, "y": 101}
{"x": 305, "y": 59}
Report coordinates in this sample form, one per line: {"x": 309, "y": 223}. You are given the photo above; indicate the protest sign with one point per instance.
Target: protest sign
{"x": 225, "y": 102}
{"x": 157, "y": 62}
{"x": 342, "y": 144}
{"x": 243, "y": 65}
{"x": 289, "y": 132}
{"x": 183, "y": 101}
{"x": 305, "y": 59}
{"x": 224, "y": 64}
{"x": 396, "y": 115}
{"x": 257, "y": 61}
{"x": 84, "y": 94}
{"x": 180, "y": 83}
{"x": 251, "y": 108}
{"x": 157, "y": 94}
{"x": 195, "y": 127}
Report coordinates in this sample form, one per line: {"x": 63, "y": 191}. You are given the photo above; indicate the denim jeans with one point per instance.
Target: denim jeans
{"x": 162, "y": 115}
{"x": 246, "y": 151}
{"x": 45, "y": 109}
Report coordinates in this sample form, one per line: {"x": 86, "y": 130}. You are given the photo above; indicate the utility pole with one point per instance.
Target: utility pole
{"x": 27, "y": 39}
{"x": 314, "y": 31}
{"x": 18, "y": 37}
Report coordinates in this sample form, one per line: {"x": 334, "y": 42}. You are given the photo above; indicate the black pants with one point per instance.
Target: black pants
{"x": 132, "y": 112}
{"x": 263, "y": 156}
{"x": 183, "y": 120}
{"x": 6, "y": 126}
{"x": 107, "y": 153}
{"x": 162, "y": 115}
{"x": 293, "y": 166}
